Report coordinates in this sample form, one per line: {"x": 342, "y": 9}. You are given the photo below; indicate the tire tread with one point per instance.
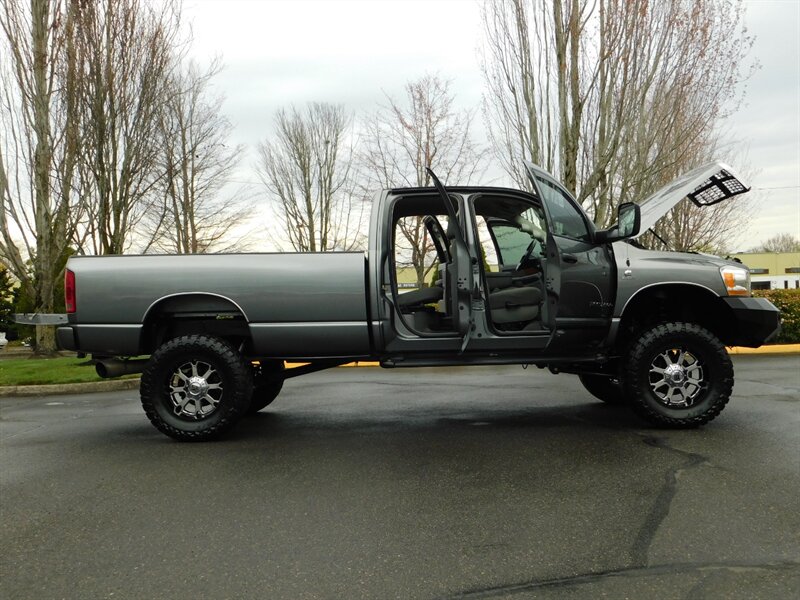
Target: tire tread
{"x": 635, "y": 391}
{"x": 232, "y": 358}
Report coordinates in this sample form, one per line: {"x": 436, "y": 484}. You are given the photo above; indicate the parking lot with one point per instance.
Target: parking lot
{"x": 429, "y": 483}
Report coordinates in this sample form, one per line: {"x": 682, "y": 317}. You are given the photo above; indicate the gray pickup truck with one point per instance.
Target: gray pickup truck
{"x": 639, "y": 327}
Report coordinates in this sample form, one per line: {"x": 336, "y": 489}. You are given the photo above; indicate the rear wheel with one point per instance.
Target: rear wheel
{"x": 196, "y": 387}
{"x": 607, "y": 389}
{"x": 266, "y": 386}
{"x": 678, "y": 375}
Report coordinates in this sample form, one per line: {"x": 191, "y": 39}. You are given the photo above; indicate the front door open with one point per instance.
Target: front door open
{"x": 579, "y": 272}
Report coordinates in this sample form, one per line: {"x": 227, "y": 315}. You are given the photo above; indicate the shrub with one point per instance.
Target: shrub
{"x": 788, "y": 302}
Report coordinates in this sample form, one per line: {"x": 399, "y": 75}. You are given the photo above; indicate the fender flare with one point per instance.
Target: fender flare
{"x": 155, "y": 304}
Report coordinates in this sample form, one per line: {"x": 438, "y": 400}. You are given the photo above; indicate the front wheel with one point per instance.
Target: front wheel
{"x": 196, "y": 387}
{"x": 678, "y": 375}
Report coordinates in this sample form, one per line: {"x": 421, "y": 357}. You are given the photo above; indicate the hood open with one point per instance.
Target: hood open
{"x": 710, "y": 184}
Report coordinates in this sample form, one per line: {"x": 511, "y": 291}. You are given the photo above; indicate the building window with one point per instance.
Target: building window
{"x": 760, "y": 285}
{"x": 786, "y": 284}
{"x": 759, "y": 271}
{"x": 793, "y": 270}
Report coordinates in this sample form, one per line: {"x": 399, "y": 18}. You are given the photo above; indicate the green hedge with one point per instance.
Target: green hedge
{"x": 788, "y": 302}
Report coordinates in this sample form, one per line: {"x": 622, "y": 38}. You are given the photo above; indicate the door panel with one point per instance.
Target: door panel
{"x": 585, "y": 280}
{"x": 579, "y": 273}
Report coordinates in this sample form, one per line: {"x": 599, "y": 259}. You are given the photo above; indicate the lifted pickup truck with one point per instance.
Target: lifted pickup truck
{"x": 639, "y": 327}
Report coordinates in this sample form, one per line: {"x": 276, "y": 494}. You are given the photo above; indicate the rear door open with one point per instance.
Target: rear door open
{"x": 459, "y": 281}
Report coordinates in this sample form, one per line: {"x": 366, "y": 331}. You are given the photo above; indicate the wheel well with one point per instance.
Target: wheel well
{"x": 188, "y": 314}
{"x": 676, "y": 302}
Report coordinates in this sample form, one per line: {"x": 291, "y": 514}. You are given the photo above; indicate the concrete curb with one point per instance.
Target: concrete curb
{"x": 113, "y": 385}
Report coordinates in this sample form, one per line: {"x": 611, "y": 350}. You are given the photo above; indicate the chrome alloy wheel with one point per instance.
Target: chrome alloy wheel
{"x": 195, "y": 389}
{"x": 676, "y": 377}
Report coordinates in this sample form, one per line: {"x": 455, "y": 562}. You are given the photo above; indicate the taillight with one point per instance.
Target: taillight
{"x": 69, "y": 291}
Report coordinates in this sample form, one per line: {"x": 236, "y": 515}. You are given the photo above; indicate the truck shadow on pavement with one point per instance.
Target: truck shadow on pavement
{"x": 470, "y": 419}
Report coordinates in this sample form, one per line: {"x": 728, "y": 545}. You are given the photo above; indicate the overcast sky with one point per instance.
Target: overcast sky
{"x": 277, "y": 53}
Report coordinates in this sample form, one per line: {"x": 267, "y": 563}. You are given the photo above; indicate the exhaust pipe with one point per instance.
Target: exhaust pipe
{"x": 113, "y": 367}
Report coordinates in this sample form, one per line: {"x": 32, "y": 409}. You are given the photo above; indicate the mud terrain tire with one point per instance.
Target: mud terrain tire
{"x": 678, "y": 375}
{"x": 196, "y": 387}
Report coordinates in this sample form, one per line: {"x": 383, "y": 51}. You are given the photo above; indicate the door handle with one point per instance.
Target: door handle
{"x": 569, "y": 258}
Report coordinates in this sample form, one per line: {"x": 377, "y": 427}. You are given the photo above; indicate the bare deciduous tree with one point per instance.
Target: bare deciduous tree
{"x": 197, "y": 160}
{"x": 307, "y": 170}
{"x": 96, "y": 125}
{"x": 615, "y": 97}
{"x": 783, "y": 242}
{"x": 40, "y": 145}
{"x": 405, "y": 137}
{"x": 128, "y": 51}
{"x": 82, "y": 86}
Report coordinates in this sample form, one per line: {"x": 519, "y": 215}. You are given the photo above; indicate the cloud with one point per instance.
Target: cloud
{"x": 279, "y": 53}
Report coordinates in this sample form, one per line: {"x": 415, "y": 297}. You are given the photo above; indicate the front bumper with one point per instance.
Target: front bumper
{"x": 756, "y": 321}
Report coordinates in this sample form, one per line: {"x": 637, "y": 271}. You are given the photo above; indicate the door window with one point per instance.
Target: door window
{"x": 567, "y": 220}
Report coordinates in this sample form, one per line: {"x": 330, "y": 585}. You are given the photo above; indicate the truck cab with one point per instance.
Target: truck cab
{"x": 560, "y": 287}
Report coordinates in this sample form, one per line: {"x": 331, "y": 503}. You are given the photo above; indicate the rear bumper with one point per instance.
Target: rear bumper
{"x": 65, "y": 336}
{"x": 756, "y": 321}
{"x": 110, "y": 340}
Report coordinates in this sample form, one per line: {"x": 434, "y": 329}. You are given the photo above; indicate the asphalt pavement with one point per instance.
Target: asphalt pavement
{"x": 421, "y": 483}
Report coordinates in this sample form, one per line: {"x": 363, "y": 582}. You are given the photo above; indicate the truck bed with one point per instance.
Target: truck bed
{"x": 295, "y": 304}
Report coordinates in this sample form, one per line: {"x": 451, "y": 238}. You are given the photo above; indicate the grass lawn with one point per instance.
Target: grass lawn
{"x": 32, "y": 371}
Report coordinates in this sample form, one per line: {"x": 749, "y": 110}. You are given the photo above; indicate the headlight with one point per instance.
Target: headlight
{"x": 736, "y": 280}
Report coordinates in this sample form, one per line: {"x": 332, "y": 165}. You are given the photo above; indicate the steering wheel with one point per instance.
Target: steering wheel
{"x": 528, "y": 256}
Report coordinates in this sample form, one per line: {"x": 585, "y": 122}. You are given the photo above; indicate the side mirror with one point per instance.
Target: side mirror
{"x": 629, "y": 221}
